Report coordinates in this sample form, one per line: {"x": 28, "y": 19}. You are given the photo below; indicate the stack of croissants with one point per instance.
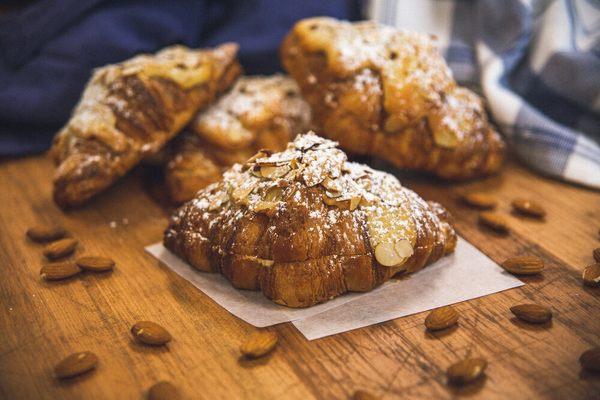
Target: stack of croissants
{"x": 266, "y": 204}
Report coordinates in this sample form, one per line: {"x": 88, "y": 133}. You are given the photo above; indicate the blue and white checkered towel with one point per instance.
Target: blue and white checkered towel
{"x": 537, "y": 63}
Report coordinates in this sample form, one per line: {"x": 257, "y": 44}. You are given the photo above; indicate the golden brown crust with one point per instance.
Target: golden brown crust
{"x": 305, "y": 225}
{"x": 259, "y": 112}
{"x": 128, "y": 111}
{"x": 389, "y": 93}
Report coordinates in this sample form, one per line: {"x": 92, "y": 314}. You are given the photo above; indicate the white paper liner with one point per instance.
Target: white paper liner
{"x": 464, "y": 275}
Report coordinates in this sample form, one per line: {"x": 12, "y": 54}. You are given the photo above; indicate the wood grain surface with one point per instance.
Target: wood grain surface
{"x": 42, "y": 322}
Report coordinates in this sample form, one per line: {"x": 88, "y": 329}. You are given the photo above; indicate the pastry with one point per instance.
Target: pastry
{"x": 388, "y": 93}
{"x": 306, "y": 225}
{"x": 259, "y": 112}
{"x": 128, "y": 111}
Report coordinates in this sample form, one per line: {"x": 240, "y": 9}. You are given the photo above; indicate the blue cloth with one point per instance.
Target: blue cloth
{"x": 537, "y": 63}
{"x": 48, "y": 49}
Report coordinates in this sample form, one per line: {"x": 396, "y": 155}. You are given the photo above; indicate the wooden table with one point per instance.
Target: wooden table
{"x": 41, "y": 322}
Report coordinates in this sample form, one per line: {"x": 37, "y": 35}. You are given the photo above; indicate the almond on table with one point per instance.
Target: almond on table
{"x": 163, "y": 390}
{"x": 466, "y": 371}
{"x": 76, "y": 364}
{"x": 590, "y": 359}
{"x": 46, "y": 233}
{"x": 479, "y": 200}
{"x": 441, "y": 318}
{"x": 259, "y": 344}
{"x": 95, "y": 263}
{"x": 528, "y": 208}
{"x": 150, "y": 333}
{"x": 533, "y": 313}
{"x": 54, "y": 272}
{"x": 60, "y": 248}
{"x": 494, "y": 221}
{"x": 591, "y": 275}
{"x": 524, "y": 265}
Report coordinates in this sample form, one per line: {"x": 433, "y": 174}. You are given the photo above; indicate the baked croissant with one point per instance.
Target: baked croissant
{"x": 128, "y": 111}
{"x": 305, "y": 225}
{"x": 259, "y": 112}
{"x": 388, "y": 93}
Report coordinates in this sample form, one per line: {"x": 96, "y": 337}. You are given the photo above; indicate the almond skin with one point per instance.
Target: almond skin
{"x": 533, "y": 313}
{"x": 466, "y": 371}
{"x": 95, "y": 263}
{"x": 150, "y": 333}
{"x": 590, "y": 359}
{"x": 46, "y": 233}
{"x": 259, "y": 344}
{"x": 54, "y": 272}
{"x": 76, "y": 364}
{"x": 479, "y": 200}
{"x": 60, "y": 248}
{"x": 163, "y": 390}
{"x": 528, "y": 208}
{"x": 441, "y": 318}
{"x": 591, "y": 275}
{"x": 523, "y": 265}
{"x": 493, "y": 221}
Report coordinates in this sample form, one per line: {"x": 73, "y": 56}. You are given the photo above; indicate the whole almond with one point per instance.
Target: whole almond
{"x": 363, "y": 395}
{"x": 53, "y": 272}
{"x": 524, "y": 265}
{"x": 95, "y": 263}
{"x": 528, "y": 207}
{"x": 590, "y": 359}
{"x": 441, "y": 318}
{"x": 259, "y": 344}
{"x": 60, "y": 248}
{"x": 479, "y": 200}
{"x": 46, "y": 233}
{"x": 163, "y": 390}
{"x": 591, "y": 275}
{"x": 596, "y": 254}
{"x": 493, "y": 221}
{"x": 466, "y": 371}
{"x": 76, "y": 364}
{"x": 533, "y": 313}
{"x": 150, "y": 333}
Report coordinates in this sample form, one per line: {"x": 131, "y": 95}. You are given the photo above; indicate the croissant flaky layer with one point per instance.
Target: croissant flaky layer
{"x": 389, "y": 93}
{"x": 305, "y": 225}
{"x": 258, "y": 112}
{"x": 128, "y": 111}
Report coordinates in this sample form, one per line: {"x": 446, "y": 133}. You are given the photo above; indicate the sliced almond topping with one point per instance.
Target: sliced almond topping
{"x": 403, "y": 248}
{"x": 273, "y": 172}
{"x": 386, "y": 255}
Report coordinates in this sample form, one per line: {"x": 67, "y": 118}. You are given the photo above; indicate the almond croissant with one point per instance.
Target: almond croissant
{"x": 128, "y": 111}
{"x": 259, "y": 112}
{"x": 305, "y": 225}
{"x": 388, "y": 93}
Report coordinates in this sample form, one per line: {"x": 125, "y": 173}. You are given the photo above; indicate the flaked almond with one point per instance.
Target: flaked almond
{"x": 60, "y": 248}
{"x": 524, "y": 265}
{"x": 528, "y": 207}
{"x": 596, "y": 254}
{"x": 151, "y": 333}
{"x": 441, "y": 318}
{"x": 591, "y": 275}
{"x": 590, "y": 359}
{"x": 386, "y": 254}
{"x": 76, "y": 364}
{"x": 54, "y": 272}
{"x": 95, "y": 263}
{"x": 479, "y": 200}
{"x": 259, "y": 344}
{"x": 494, "y": 221}
{"x": 46, "y": 233}
{"x": 273, "y": 172}
{"x": 534, "y": 313}
{"x": 163, "y": 390}
{"x": 466, "y": 371}
{"x": 363, "y": 395}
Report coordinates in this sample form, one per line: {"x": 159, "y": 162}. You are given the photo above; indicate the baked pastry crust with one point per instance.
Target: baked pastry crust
{"x": 388, "y": 93}
{"x": 259, "y": 112}
{"x": 129, "y": 110}
{"x": 305, "y": 225}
